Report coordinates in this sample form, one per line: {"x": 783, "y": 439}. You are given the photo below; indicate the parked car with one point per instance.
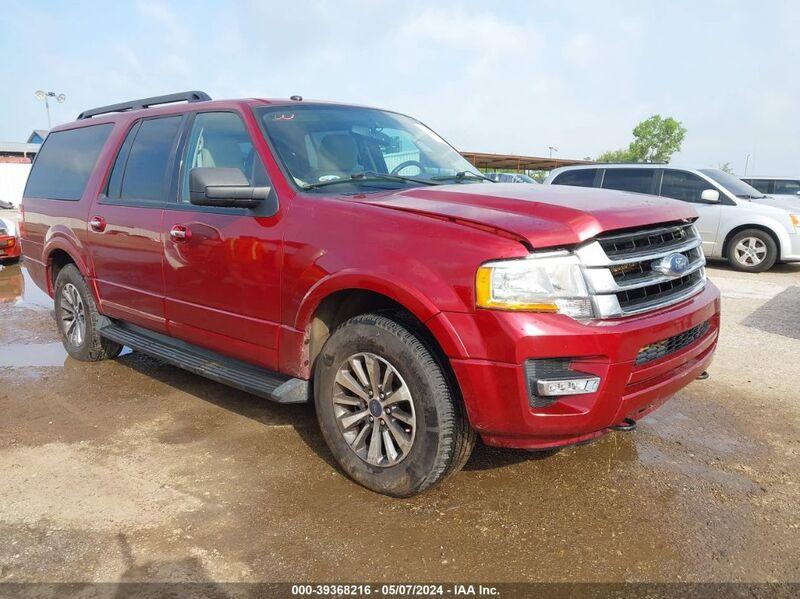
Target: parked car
{"x": 737, "y": 222}
{"x": 9, "y": 243}
{"x": 782, "y": 187}
{"x": 511, "y": 178}
{"x": 269, "y": 245}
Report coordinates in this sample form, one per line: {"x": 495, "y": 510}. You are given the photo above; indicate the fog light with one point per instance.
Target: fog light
{"x": 554, "y": 387}
{"x": 551, "y": 379}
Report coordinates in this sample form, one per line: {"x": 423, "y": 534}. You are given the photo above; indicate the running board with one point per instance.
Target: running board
{"x": 229, "y": 371}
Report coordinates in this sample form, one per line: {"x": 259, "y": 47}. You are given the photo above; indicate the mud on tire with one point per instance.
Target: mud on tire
{"x": 442, "y": 439}
{"x": 72, "y": 295}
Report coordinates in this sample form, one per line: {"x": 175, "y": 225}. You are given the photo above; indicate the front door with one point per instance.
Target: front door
{"x": 222, "y": 265}
{"x": 688, "y": 187}
{"x": 124, "y": 237}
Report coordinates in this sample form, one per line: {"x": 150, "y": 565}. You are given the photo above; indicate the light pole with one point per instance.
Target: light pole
{"x": 552, "y": 149}
{"x": 42, "y": 95}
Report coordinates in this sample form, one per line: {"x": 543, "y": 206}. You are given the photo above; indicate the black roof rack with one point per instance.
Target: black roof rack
{"x": 191, "y": 96}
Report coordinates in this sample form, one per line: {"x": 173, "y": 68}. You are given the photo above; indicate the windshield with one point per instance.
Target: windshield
{"x": 734, "y": 185}
{"x": 324, "y": 144}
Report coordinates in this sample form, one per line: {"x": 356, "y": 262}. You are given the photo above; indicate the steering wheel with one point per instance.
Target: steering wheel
{"x": 406, "y": 164}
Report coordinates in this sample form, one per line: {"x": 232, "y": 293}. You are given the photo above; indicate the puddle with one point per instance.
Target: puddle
{"x": 18, "y": 289}
{"x": 32, "y": 355}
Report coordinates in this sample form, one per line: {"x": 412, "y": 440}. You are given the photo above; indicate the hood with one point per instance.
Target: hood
{"x": 539, "y": 216}
{"x": 786, "y": 202}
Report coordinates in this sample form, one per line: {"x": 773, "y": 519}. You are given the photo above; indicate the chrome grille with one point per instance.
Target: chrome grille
{"x": 644, "y": 242}
{"x": 665, "y": 347}
{"x": 619, "y": 269}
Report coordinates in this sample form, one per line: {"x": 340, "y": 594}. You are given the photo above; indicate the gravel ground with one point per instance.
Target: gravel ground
{"x": 131, "y": 470}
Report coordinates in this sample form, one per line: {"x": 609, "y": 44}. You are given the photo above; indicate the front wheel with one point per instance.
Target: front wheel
{"x": 386, "y": 409}
{"x": 752, "y": 250}
{"x": 77, "y": 317}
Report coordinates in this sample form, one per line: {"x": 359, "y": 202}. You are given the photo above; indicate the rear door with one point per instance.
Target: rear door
{"x": 688, "y": 187}
{"x": 637, "y": 180}
{"x": 125, "y": 234}
{"x": 222, "y": 271}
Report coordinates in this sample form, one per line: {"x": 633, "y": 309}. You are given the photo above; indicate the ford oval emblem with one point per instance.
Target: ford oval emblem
{"x": 674, "y": 265}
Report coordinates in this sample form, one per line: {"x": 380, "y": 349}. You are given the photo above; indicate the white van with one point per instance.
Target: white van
{"x": 736, "y": 221}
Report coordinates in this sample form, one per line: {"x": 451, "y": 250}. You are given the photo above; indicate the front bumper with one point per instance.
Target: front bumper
{"x": 792, "y": 252}
{"x": 495, "y": 388}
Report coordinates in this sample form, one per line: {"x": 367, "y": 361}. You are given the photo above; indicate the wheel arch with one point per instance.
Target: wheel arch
{"x": 56, "y": 258}
{"x": 757, "y": 226}
{"x": 325, "y": 309}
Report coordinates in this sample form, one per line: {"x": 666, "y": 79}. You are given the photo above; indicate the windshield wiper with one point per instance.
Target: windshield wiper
{"x": 745, "y": 196}
{"x": 370, "y": 176}
{"x": 461, "y": 176}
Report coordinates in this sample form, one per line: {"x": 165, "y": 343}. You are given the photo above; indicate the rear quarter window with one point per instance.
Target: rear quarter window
{"x": 583, "y": 177}
{"x": 65, "y": 162}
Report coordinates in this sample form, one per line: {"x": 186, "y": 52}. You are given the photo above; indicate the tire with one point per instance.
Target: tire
{"x": 752, "y": 250}
{"x": 73, "y": 297}
{"x": 429, "y": 434}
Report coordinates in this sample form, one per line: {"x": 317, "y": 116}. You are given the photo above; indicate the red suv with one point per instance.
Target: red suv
{"x": 307, "y": 251}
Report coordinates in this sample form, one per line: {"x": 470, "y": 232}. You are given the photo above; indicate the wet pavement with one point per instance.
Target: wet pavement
{"x": 132, "y": 470}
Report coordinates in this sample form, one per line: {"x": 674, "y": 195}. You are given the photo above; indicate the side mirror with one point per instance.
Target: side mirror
{"x": 797, "y": 193}
{"x": 710, "y": 195}
{"x": 224, "y": 187}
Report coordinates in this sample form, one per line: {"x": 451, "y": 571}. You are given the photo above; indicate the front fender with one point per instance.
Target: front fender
{"x": 762, "y": 221}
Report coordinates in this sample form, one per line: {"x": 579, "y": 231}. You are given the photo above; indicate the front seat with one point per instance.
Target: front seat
{"x": 338, "y": 153}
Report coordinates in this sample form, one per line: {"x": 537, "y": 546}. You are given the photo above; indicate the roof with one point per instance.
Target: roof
{"x": 17, "y": 147}
{"x": 40, "y": 132}
{"x": 762, "y": 177}
{"x": 484, "y": 161}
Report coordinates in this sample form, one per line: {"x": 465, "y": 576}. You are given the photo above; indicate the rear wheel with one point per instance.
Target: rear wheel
{"x": 77, "y": 317}
{"x": 386, "y": 409}
{"x": 752, "y": 250}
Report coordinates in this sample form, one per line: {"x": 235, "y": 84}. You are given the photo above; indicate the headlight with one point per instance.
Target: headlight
{"x": 550, "y": 282}
{"x": 795, "y": 221}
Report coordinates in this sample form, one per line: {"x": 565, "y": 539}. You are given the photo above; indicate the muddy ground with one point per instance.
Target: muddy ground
{"x": 132, "y": 470}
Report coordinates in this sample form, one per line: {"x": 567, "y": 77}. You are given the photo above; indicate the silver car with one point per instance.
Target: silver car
{"x": 510, "y": 178}
{"x": 736, "y": 222}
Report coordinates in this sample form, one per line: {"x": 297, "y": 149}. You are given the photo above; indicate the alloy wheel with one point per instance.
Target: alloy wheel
{"x": 374, "y": 409}
{"x": 750, "y": 251}
{"x": 73, "y": 315}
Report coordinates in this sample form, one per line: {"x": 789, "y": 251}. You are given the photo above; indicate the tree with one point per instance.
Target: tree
{"x": 727, "y": 168}
{"x": 654, "y": 140}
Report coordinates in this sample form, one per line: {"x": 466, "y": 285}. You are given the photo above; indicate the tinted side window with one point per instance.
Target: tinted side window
{"x": 639, "y": 180}
{"x": 220, "y": 139}
{"x": 761, "y": 185}
{"x": 789, "y": 187}
{"x": 583, "y": 177}
{"x": 65, "y": 162}
{"x": 681, "y": 185}
{"x": 146, "y": 167}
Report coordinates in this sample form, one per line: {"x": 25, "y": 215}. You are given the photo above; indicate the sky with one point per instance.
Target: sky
{"x": 509, "y": 77}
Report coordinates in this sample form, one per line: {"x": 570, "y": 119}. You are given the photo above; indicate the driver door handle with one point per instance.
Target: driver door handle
{"x": 180, "y": 233}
